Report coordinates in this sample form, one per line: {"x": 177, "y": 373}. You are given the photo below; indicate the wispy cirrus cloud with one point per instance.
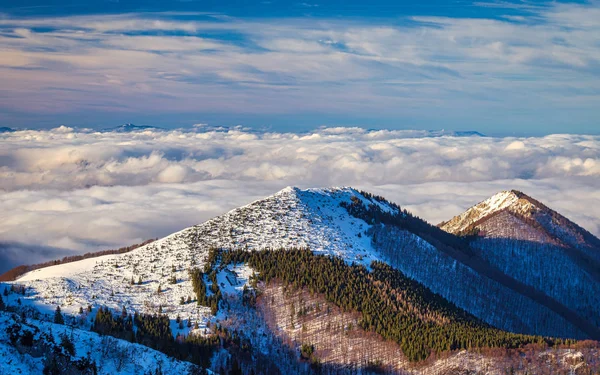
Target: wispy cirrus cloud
{"x": 543, "y": 67}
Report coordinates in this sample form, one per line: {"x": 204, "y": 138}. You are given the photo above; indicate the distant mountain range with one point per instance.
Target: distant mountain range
{"x": 132, "y": 128}
{"x": 337, "y": 280}
{"x": 129, "y": 128}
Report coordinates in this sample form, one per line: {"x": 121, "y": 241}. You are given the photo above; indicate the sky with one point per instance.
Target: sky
{"x": 503, "y": 68}
{"x": 66, "y": 191}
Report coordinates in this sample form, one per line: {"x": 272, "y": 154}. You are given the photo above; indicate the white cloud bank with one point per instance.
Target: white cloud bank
{"x": 73, "y": 190}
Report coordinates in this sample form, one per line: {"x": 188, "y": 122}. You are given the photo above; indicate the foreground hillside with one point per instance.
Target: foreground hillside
{"x": 199, "y": 294}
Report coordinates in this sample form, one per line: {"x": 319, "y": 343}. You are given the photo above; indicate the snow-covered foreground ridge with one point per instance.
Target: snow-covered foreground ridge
{"x": 310, "y": 218}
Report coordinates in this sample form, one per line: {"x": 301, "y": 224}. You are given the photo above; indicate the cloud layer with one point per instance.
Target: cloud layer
{"x": 84, "y": 190}
{"x": 65, "y": 159}
{"x": 540, "y": 69}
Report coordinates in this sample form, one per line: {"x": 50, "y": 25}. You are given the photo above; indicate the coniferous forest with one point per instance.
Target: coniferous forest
{"x": 391, "y": 304}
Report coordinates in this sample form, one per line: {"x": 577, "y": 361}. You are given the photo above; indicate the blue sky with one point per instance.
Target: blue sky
{"x": 501, "y": 68}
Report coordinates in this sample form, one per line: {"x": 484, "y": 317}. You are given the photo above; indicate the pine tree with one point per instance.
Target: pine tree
{"x": 235, "y": 368}
{"x": 159, "y": 289}
{"x": 2, "y": 306}
{"x": 67, "y": 344}
{"x": 58, "y": 318}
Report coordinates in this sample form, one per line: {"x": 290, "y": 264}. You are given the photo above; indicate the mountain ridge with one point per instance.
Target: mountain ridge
{"x": 360, "y": 228}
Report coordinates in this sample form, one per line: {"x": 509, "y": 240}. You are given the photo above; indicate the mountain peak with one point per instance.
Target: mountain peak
{"x": 287, "y": 190}
{"x": 331, "y": 191}
{"x": 495, "y": 203}
{"x": 513, "y": 201}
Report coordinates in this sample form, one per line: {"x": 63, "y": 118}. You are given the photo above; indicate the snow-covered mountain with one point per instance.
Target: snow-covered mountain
{"x": 312, "y": 218}
{"x": 355, "y": 226}
{"x": 536, "y": 245}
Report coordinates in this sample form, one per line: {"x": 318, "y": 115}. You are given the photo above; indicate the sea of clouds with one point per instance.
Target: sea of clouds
{"x": 66, "y": 190}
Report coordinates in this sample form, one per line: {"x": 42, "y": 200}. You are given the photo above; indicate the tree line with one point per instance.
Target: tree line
{"x": 391, "y": 304}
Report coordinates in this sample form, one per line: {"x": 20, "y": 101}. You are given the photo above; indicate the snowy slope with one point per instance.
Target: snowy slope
{"x": 112, "y": 356}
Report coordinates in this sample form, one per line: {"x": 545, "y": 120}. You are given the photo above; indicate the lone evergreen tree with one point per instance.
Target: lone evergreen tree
{"x": 58, "y": 318}
{"x": 67, "y": 343}
{"x": 2, "y": 306}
